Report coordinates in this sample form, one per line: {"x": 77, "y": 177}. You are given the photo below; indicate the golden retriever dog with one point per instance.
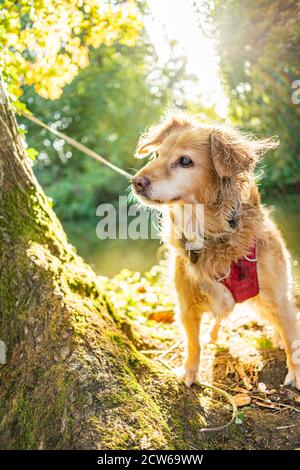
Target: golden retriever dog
{"x": 212, "y": 166}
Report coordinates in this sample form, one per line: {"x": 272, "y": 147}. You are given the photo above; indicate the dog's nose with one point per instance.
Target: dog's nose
{"x": 141, "y": 183}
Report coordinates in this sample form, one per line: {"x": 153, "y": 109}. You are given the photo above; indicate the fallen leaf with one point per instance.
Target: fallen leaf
{"x": 242, "y": 399}
{"x": 240, "y": 389}
{"x": 141, "y": 289}
{"x": 163, "y": 316}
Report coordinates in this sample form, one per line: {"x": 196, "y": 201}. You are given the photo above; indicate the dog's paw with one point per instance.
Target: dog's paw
{"x": 190, "y": 375}
{"x": 293, "y": 379}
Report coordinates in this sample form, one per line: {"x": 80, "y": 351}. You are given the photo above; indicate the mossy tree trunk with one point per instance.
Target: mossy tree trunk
{"x": 72, "y": 378}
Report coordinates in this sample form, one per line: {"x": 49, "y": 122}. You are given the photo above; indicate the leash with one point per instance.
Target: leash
{"x": 77, "y": 145}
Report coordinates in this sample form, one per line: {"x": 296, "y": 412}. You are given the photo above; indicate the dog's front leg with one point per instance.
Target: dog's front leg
{"x": 191, "y": 322}
{"x": 191, "y": 306}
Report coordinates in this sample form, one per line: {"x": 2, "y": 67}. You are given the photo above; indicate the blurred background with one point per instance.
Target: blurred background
{"x": 103, "y": 71}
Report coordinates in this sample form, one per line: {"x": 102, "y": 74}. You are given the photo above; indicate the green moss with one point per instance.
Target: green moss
{"x": 41, "y": 411}
{"x": 82, "y": 286}
{"x": 144, "y": 420}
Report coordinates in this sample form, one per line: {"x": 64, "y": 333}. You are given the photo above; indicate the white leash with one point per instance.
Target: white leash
{"x": 78, "y": 145}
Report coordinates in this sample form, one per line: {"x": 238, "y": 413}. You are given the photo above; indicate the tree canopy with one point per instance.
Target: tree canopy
{"x": 46, "y": 42}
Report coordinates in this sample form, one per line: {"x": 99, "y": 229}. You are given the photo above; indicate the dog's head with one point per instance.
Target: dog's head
{"x": 190, "y": 161}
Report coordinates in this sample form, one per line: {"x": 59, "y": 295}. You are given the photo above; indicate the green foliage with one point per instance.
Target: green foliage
{"x": 137, "y": 296}
{"x": 259, "y": 43}
{"x": 264, "y": 343}
{"x": 32, "y": 153}
{"x": 46, "y": 42}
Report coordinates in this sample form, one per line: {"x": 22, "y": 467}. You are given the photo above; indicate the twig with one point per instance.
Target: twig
{"x": 229, "y": 398}
{"x": 167, "y": 351}
{"x": 164, "y": 352}
{"x": 289, "y": 426}
{"x": 165, "y": 364}
{"x": 226, "y": 395}
{"x": 150, "y": 351}
{"x": 269, "y": 404}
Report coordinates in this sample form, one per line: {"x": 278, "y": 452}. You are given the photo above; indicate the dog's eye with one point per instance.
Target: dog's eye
{"x": 185, "y": 162}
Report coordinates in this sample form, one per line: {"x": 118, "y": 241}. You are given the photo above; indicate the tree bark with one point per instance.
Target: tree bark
{"x": 72, "y": 379}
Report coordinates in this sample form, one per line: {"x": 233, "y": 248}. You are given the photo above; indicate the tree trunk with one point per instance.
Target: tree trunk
{"x": 72, "y": 378}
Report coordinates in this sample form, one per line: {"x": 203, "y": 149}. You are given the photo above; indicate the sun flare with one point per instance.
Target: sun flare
{"x": 179, "y": 23}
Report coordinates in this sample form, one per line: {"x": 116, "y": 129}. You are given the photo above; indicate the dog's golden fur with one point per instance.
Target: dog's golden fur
{"x": 221, "y": 178}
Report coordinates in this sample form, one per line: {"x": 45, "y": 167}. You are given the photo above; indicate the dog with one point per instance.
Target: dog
{"x": 213, "y": 166}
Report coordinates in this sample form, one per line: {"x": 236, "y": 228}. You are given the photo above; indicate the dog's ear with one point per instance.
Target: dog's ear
{"x": 233, "y": 153}
{"x": 149, "y": 141}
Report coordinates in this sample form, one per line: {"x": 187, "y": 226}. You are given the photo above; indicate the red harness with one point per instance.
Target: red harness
{"x": 242, "y": 280}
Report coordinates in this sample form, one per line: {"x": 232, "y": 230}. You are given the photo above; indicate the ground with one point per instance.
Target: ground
{"x": 245, "y": 363}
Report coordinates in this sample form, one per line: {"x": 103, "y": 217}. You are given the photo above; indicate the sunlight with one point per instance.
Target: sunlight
{"x": 179, "y": 22}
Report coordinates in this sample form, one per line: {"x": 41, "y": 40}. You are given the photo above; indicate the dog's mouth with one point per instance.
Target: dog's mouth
{"x": 147, "y": 197}
{"x": 150, "y": 201}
